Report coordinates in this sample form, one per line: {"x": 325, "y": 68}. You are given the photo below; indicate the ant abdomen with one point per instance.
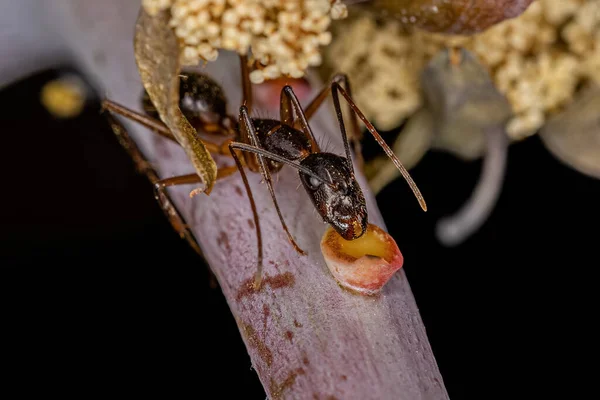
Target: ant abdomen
{"x": 202, "y": 101}
{"x": 201, "y": 98}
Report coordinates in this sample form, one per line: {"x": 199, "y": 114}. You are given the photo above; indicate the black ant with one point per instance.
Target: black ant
{"x": 328, "y": 178}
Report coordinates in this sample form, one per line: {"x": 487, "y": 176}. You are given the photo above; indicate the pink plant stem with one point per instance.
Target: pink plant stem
{"x": 305, "y": 335}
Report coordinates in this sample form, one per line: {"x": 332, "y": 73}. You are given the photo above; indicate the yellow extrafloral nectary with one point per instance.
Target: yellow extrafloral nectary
{"x": 363, "y": 265}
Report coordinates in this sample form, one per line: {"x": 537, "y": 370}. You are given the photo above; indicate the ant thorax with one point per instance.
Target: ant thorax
{"x": 341, "y": 203}
{"x": 282, "y": 140}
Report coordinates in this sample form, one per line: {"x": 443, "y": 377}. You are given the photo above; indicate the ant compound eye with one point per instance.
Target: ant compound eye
{"x": 314, "y": 182}
{"x": 343, "y": 187}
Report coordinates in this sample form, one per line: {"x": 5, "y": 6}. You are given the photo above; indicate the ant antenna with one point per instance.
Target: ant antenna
{"x": 335, "y": 87}
{"x": 275, "y": 157}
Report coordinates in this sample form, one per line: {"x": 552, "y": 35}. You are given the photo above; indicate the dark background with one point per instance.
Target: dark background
{"x": 101, "y": 295}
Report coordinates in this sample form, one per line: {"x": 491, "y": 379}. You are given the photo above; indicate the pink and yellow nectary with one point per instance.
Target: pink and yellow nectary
{"x": 365, "y": 264}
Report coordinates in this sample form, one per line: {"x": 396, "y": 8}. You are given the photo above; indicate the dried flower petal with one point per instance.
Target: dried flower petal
{"x": 157, "y": 57}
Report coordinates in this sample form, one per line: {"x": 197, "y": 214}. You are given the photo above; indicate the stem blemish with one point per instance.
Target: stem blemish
{"x": 278, "y": 281}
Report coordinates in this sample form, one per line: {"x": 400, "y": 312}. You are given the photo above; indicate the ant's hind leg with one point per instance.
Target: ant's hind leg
{"x": 175, "y": 218}
{"x": 157, "y": 126}
{"x": 145, "y": 167}
{"x": 160, "y": 186}
{"x": 149, "y": 122}
{"x": 161, "y": 195}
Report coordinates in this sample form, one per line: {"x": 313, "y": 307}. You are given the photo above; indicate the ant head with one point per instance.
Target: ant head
{"x": 341, "y": 203}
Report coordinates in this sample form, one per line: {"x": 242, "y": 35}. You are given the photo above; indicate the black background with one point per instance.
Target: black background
{"x": 101, "y": 295}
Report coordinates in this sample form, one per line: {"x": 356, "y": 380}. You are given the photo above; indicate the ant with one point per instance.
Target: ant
{"x": 328, "y": 178}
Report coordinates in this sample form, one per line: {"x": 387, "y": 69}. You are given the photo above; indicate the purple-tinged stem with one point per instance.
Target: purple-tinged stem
{"x": 305, "y": 335}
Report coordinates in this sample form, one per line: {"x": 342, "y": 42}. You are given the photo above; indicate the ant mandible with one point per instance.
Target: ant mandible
{"x": 328, "y": 179}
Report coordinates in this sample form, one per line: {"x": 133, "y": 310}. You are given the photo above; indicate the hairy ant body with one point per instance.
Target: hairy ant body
{"x": 267, "y": 144}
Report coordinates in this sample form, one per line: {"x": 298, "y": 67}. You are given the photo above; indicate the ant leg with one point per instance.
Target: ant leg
{"x": 129, "y": 145}
{"x": 149, "y": 122}
{"x": 313, "y": 106}
{"x": 246, "y": 84}
{"x": 257, "y": 150}
{"x": 286, "y": 114}
{"x": 156, "y": 125}
{"x": 249, "y": 128}
{"x": 161, "y": 195}
{"x": 247, "y": 103}
{"x": 177, "y": 180}
{"x": 288, "y": 100}
{"x": 238, "y": 163}
{"x": 192, "y": 178}
{"x": 144, "y": 167}
{"x": 335, "y": 87}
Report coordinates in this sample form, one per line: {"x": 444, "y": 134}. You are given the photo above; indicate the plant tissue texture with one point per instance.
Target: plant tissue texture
{"x": 305, "y": 335}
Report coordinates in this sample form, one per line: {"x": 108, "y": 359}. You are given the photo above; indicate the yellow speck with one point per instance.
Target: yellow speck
{"x": 63, "y": 98}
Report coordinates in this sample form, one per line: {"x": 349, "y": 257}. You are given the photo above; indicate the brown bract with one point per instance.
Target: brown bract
{"x": 364, "y": 264}
{"x": 157, "y": 57}
{"x": 456, "y": 16}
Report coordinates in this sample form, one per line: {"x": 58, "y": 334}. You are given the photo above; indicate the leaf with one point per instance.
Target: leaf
{"x": 573, "y": 136}
{"x": 157, "y": 57}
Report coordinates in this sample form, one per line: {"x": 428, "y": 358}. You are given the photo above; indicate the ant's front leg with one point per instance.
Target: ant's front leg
{"x": 248, "y": 126}
{"x": 233, "y": 146}
{"x": 355, "y": 134}
{"x": 247, "y": 98}
{"x": 288, "y": 104}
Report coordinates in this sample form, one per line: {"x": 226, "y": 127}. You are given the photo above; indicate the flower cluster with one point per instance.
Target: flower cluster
{"x": 282, "y": 36}
{"x": 537, "y": 60}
